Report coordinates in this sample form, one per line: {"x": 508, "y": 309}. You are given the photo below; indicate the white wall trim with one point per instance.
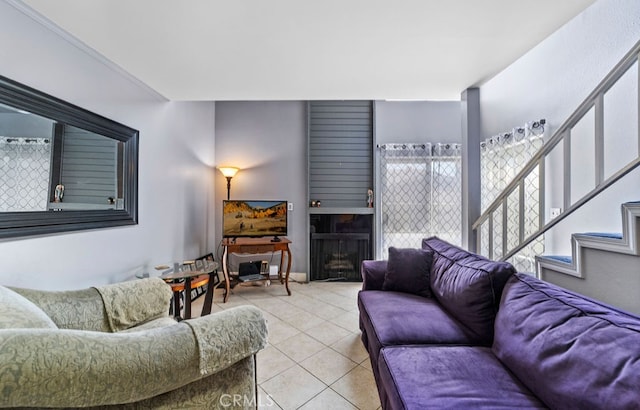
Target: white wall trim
{"x": 57, "y": 30}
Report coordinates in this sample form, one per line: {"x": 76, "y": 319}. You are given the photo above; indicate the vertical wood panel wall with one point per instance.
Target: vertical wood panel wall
{"x": 340, "y": 152}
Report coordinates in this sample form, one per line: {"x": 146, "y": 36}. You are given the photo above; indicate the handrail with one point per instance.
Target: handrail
{"x": 630, "y": 167}
{"x": 594, "y": 99}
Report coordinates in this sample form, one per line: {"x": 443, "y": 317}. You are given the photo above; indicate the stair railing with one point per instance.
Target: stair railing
{"x": 498, "y": 235}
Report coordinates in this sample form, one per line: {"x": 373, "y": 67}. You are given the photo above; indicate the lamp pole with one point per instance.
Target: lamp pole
{"x": 228, "y": 188}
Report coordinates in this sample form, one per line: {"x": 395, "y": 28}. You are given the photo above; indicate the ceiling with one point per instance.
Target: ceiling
{"x": 310, "y": 49}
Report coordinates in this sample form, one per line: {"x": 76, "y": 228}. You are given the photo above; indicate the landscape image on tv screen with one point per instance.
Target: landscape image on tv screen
{"x": 254, "y": 218}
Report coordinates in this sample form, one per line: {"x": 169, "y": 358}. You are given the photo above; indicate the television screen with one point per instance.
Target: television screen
{"x": 254, "y": 218}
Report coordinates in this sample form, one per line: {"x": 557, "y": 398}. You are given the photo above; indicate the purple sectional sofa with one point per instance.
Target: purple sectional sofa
{"x": 482, "y": 336}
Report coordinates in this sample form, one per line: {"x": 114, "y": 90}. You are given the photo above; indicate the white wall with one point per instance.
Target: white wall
{"x": 176, "y": 172}
{"x": 418, "y": 121}
{"x": 267, "y": 140}
{"x": 549, "y": 82}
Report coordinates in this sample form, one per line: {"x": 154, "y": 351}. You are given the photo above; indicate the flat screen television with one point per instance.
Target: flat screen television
{"x": 254, "y": 218}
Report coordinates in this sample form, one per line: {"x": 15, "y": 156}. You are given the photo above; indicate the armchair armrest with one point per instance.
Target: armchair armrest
{"x": 72, "y": 368}
{"x": 373, "y": 274}
{"x": 245, "y": 326}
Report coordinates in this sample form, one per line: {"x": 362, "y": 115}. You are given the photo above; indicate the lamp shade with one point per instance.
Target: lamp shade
{"x": 228, "y": 172}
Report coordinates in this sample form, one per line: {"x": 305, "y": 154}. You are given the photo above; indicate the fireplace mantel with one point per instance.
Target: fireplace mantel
{"x": 342, "y": 210}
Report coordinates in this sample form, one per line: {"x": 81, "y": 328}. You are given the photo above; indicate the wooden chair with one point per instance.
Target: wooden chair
{"x": 200, "y": 285}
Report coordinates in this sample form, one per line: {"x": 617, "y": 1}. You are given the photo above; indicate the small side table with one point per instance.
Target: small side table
{"x": 192, "y": 279}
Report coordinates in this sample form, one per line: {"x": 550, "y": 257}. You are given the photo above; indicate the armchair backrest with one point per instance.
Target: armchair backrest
{"x": 18, "y": 312}
{"x": 71, "y": 309}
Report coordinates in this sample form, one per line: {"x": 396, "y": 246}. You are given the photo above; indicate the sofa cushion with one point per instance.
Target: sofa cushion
{"x": 373, "y": 274}
{"x": 469, "y": 286}
{"x": 396, "y": 318}
{"x": 17, "y": 311}
{"x": 408, "y": 271}
{"x": 452, "y": 377}
{"x": 572, "y": 352}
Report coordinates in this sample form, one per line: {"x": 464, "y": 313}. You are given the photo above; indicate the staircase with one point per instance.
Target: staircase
{"x": 500, "y": 230}
{"x": 605, "y": 266}
{"x": 625, "y": 243}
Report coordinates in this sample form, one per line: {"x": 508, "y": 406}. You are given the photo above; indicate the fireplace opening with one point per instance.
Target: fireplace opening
{"x": 339, "y": 244}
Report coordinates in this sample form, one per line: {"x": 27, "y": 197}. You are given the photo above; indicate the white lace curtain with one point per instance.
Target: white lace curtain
{"x": 24, "y": 174}
{"x": 420, "y": 194}
{"x": 502, "y": 157}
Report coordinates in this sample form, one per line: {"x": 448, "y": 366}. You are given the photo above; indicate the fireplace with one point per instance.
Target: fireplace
{"x": 339, "y": 244}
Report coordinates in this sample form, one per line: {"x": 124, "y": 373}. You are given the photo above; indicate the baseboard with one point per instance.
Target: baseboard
{"x": 293, "y": 276}
{"x": 298, "y": 277}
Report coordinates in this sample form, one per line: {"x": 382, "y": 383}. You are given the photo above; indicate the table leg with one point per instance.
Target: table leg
{"x": 187, "y": 298}
{"x": 280, "y": 277}
{"x": 225, "y": 272}
{"x": 286, "y": 280}
{"x": 176, "y": 305}
{"x": 208, "y": 298}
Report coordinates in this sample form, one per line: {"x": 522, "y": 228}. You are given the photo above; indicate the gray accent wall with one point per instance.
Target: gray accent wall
{"x": 418, "y": 121}
{"x": 267, "y": 140}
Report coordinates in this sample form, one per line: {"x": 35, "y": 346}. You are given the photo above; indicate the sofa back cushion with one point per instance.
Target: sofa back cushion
{"x": 467, "y": 285}
{"x": 408, "y": 271}
{"x": 571, "y": 351}
{"x": 17, "y": 312}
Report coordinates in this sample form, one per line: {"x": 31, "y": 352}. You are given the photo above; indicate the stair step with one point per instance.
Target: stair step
{"x": 560, "y": 258}
{"x": 607, "y": 235}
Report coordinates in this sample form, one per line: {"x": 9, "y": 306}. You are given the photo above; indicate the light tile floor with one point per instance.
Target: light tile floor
{"x": 315, "y": 358}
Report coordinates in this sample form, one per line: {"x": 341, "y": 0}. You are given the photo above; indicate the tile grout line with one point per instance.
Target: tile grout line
{"x": 337, "y": 298}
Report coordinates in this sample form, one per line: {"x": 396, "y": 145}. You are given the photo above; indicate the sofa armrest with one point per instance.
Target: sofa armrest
{"x": 72, "y": 368}
{"x": 373, "y": 274}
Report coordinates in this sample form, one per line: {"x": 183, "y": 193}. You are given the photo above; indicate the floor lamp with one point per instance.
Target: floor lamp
{"x": 228, "y": 172}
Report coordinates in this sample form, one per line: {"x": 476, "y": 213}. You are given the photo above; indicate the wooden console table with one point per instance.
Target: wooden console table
{"x": 255, "y": 245}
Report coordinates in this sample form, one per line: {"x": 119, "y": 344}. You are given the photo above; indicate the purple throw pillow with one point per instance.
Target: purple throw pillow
{"x": 469, "y": 286}
{"x": 408, "y": 270}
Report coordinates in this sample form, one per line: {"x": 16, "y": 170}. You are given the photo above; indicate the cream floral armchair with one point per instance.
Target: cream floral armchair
{"x": 115, "y": 346}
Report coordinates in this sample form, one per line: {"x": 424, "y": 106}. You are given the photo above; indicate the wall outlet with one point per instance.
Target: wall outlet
{"x": 273, "y": 271}
{"x": 290, "y": 206}
{"x": 555, "y": 212}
